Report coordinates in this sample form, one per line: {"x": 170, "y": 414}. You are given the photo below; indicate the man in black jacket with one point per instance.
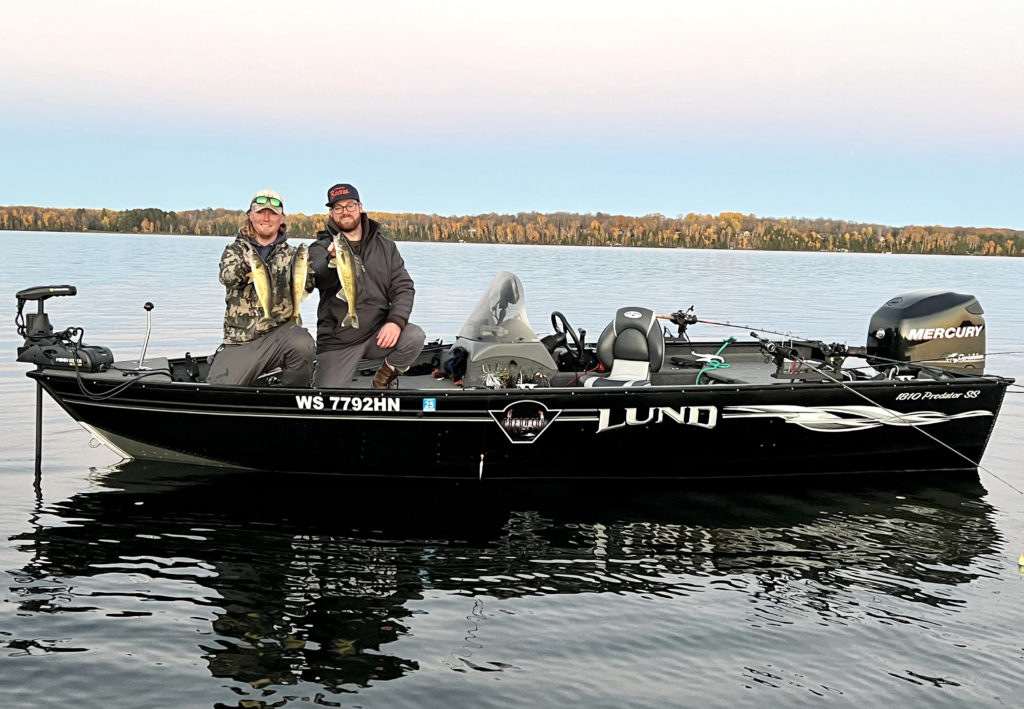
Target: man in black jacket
{"x": 377, "y": 323}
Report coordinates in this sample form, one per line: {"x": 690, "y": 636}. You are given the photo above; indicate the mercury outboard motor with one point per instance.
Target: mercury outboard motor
{"x": 46, "y": 348}
{"x": 933, "y": 328}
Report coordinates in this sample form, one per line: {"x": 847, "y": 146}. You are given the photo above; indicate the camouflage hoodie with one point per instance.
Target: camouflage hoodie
{"x": 243, "y": 312}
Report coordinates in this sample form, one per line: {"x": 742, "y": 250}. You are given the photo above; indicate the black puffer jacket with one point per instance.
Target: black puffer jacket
{"x": 386, "y": 290}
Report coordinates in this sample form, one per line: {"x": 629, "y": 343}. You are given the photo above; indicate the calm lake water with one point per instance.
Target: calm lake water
{"x": 143, "y": 585}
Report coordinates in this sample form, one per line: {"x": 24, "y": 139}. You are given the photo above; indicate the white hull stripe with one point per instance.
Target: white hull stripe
{"x": 846, "y": 418}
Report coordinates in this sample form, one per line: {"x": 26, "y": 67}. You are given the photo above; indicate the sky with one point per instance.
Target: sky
{"x": 889, "y": 112}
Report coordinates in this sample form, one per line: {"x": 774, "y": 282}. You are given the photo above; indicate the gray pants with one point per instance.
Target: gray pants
{"x": 287, "y": 346}
{"x": 335, "y": 368}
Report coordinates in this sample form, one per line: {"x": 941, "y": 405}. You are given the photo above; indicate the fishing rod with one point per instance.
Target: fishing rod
{"x": 836, "y": 352}
{"x": 685, "y": 318}
{"x": 900, "y": 416}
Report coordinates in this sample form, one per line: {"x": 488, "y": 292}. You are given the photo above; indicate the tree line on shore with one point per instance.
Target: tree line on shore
{"x": 728, "y": 230}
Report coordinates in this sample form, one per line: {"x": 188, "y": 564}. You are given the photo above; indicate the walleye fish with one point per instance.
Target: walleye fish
{"x": 300, "y": 269}
{"x": 347, "y": 264}
{"x": 260, "y": 278}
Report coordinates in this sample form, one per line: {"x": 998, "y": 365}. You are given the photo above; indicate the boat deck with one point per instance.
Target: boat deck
{"x": 743, "y": 363}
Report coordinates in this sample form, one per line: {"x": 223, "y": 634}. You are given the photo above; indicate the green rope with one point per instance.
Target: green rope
{"x": 715, "y": 364}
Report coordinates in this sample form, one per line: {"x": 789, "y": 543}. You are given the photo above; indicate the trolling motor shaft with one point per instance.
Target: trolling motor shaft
{"x": 37, "y": 331}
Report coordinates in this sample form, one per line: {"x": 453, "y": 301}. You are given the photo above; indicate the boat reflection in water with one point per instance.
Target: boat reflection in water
{"x": 299, "y": 580}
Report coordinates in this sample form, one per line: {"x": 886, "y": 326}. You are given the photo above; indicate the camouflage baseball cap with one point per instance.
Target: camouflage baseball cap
{"x": 267, "y": 199}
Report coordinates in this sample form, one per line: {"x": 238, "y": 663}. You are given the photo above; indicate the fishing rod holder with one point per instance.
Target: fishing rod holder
{"x": 792, "y": 364}
{"x": 681, "y": 319}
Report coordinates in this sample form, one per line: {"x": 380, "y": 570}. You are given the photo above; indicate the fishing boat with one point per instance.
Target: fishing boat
{"x": 643, "y": 400}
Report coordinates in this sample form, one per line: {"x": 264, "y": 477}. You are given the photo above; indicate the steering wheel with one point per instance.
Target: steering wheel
{"x": 566, "y": 333}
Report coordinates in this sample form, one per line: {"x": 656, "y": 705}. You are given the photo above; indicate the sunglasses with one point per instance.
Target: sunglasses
{"x": 272, "y": 201}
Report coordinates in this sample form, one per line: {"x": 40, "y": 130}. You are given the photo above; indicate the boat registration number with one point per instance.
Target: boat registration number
{"x": 315, "y": 402}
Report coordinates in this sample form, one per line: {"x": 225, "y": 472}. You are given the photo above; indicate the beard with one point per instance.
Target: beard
{"x": 348, "y": 225}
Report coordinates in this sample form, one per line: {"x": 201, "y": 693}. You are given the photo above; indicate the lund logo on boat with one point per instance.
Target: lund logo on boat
{"x": 703, "y": 416}
{"x": 524, "y": 421}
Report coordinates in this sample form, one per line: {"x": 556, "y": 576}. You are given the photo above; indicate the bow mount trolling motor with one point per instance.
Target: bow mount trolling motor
{"x": 46, "y": 348}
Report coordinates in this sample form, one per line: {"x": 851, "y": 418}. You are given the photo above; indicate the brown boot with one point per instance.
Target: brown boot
{"x": 386, "y": 377}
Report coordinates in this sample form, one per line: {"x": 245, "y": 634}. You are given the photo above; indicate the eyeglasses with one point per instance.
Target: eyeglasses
{"x": 339, "y": 208}
{"x": 272, "y": 201}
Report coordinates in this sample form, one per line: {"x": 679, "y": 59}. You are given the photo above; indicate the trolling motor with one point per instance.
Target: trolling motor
{"x": 58, "y": 350}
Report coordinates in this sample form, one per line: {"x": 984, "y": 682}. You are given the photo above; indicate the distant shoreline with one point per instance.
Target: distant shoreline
{"x": 728, "y": 230}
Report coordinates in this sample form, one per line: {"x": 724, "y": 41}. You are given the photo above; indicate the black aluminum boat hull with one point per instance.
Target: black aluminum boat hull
{"x": 501, "y": 402}
{"x": 697, "y": 432}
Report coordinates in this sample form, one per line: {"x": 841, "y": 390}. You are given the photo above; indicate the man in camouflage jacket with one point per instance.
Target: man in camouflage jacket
{"x": 259, "y": 337}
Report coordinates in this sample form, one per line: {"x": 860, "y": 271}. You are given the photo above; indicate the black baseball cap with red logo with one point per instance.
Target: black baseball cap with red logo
{"x": 341, "y": 191}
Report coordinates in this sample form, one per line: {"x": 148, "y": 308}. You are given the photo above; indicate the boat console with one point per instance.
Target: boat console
{"x": 500, "y": 347}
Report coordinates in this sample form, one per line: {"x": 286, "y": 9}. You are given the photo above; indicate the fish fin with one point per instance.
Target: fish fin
{"x": 351, "y": 319}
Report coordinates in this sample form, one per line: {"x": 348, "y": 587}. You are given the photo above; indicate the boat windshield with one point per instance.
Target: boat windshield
{"x": 500, "y": 316}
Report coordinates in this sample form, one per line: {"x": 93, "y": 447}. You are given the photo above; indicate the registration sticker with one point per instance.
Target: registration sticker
{"x": 430, "y": 404}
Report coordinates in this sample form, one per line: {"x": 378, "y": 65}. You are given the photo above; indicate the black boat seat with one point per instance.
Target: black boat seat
{"x": 632, "y": 346}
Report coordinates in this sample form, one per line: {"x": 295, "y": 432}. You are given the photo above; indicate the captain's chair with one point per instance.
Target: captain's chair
{"x": 632, "y": 346}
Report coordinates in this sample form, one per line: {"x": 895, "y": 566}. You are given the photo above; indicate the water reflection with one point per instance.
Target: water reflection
{"x": 307, "y": 579}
